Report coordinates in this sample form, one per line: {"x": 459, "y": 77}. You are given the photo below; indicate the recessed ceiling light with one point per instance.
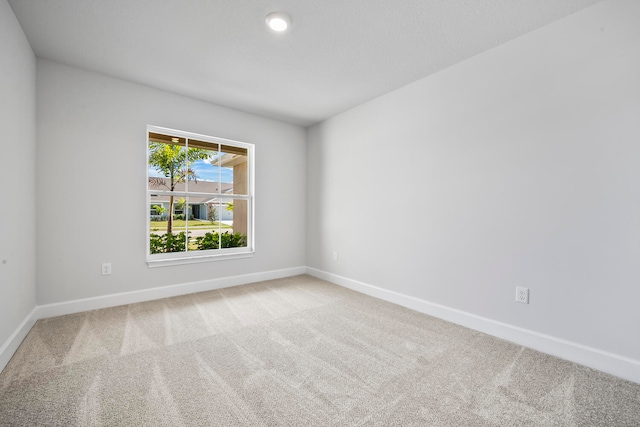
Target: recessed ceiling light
{"x": 278, "y": 21}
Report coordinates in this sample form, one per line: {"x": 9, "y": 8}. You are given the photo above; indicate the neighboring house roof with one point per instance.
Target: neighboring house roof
{"x": 200, "y": 186}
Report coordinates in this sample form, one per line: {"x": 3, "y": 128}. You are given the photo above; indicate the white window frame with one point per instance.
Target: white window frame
{"x": 179, "y": 258}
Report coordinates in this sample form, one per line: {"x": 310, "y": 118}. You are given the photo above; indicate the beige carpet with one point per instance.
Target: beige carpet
{"x": 293, "y": 352}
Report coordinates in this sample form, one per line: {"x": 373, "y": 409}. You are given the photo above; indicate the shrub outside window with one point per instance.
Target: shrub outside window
{"x": 199, "y": 197}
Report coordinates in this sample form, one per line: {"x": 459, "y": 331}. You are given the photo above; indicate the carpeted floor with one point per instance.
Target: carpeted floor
{"x": 293, "y": 352}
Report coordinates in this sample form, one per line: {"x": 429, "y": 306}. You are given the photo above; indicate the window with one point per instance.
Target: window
{"x": 199, "y": 197}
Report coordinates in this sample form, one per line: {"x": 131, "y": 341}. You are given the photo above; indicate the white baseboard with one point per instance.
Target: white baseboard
{"x": 13, "y": 342}
{"x": 113, "y": 300}
{"x": 610, "y": 363}
{"x": 76, "y": 306}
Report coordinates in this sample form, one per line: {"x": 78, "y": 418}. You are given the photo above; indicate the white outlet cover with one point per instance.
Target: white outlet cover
{"x": 106, "y": 269}
{"x": 522, "y": 295}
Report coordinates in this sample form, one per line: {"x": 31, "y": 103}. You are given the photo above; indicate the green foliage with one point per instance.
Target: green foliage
{"x": 172, "y": 161}
{"x": 159, "y": 209}
{"x": 160, "y": 212}
{"x": 169, "y": 242}
{"x": 208, "y": 241}
{"x": 224, "y": 240}
{"x": 235, "y": 240}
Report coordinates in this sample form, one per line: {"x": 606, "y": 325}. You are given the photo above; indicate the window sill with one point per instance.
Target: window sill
{"x": 153, "y": 263}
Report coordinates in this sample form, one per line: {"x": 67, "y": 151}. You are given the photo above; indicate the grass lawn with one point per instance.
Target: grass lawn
{"x": 193, "y": 223}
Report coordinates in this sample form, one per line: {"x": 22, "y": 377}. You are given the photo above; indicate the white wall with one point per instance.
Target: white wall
{"x": 91, "y": 184}
{"x": 17, "y": 175}
{"x": 518, "y": 167}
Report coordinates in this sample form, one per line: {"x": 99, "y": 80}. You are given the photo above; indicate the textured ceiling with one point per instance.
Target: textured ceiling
{"x": 337, "y": 54}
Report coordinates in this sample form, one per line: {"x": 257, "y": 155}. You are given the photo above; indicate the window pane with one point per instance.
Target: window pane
{"x": 203, "y": 166}
{"x": 167, "y": 162}
{"x": 239, "y": 223}
{"x": 234, "y": 168}
{"x": 204, "y": 223}
{"x": 160, "y": 239}
{"x": 158, "y": 207}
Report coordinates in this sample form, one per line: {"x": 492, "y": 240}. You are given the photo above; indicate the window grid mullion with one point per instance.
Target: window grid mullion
{"x": 185, "y": 208}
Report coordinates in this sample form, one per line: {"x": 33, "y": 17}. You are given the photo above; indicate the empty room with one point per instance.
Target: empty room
{"x": 336, "y": 213}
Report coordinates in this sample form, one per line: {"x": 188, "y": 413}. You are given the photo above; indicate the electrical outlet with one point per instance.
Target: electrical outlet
{"x": 522, "y": 295}
{"x": 335, "y": 255}
{"x": 106, "y": 268}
